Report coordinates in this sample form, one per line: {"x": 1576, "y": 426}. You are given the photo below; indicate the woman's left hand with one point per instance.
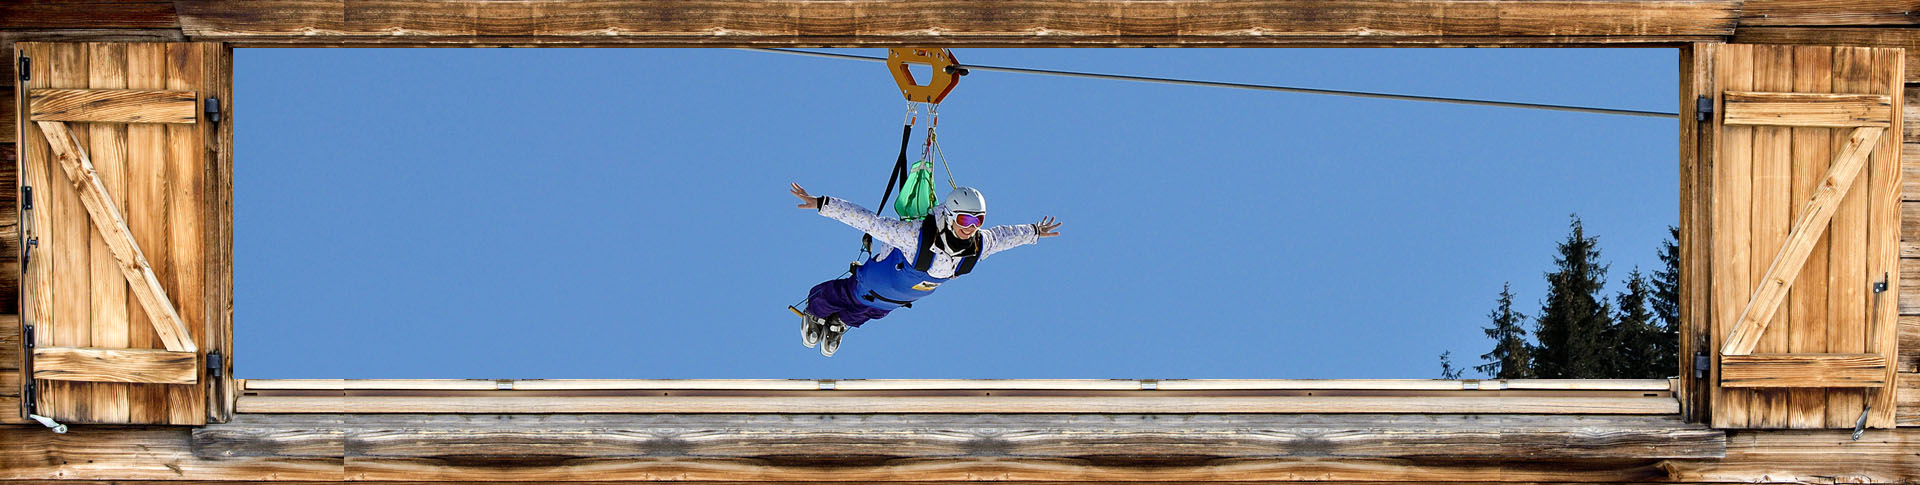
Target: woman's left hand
{"x": 1046, "y": 226}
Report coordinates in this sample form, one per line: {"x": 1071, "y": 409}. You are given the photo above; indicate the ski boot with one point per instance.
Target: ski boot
{"x": 830, "y": 341}
{"x": 812, "y": 328}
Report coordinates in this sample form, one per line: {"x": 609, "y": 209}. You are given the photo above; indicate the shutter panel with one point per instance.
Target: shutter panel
{"x": 125, "y": 284}
{"x": 1802, "y": 187}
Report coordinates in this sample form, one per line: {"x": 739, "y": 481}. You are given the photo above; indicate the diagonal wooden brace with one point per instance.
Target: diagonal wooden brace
{"x": 1805, "y": 232}
{"x": 113, "y": 228}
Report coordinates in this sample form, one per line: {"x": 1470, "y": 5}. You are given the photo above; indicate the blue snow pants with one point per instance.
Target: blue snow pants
{"x": 835, "y": 298}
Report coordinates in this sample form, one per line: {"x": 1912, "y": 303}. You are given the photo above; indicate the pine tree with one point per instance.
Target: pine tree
{"x": 1512, "y": 356}
{"x": 1637, "y": 334}
{"x": 1574, "y": 327}
{"x": 1447, "y": 370}
{"x": 1666, "y": 306}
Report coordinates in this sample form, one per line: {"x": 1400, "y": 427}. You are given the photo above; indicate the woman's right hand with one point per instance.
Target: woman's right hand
{"x": 807, "y": 201}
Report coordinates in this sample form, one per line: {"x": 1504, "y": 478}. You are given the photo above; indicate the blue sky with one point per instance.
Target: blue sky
{"x": 622, "y": 213}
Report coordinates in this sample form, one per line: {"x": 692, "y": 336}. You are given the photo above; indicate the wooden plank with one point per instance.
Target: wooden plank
{"x": 172, "y": 454}
{"x": 149, "y": 366}
{"x": 1772, "y": 207}
{"x": 1846, "y": 261}
{"x": 35, "y": 304}
{"x": 1910, "y": 176}
{"x": 1733, "y": 279}
{"x": 106, "y": 217}
{"x": 1907, "y": 410}
{"x": 1827, "y": 12}
{"x": 129, "y": 14}
{"x": 1786, "y": 265}
{"x": 66, "y": 243}
{"x": 1803, "y": 370}
{"x": 952, "y": 23}
{"x": 1699, "y": 148}
{"x": 509, "y": 439}
{"x": 1883, "y": 243}
{"x": 112, "y": 105}
{"x": 1806, "y": 109}
{"x": 1171, "y": 385}
{"x": 1813, "y": 73}
{"x": 147, "y": 203}
{"x": 218, "y": 300}
{"x": 107, "y": 151}
{"x": 954, "y": 404}
{"x": 1908, "y": 39}
{"x": 190, "y": 69}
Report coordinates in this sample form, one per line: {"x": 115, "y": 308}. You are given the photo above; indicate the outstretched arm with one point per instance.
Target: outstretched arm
{"x": 893, "y": 232}
{"x": 1001, "y": 238}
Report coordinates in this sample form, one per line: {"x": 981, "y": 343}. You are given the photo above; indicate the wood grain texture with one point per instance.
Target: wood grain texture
{"x": 1803, "y": 370}
{"x": 1168, "y": 385}
{"x": 145, "y": 366}
{"x": 1908, "y": 39}
{"x": 1828, "y": 13}
{"x": 1698, "y": 149}
{"x": 1772, "y": 206}
{"x": 287, "y": 453}
{"x": 71, "y": 14}
{"x": 952, "y": 23}
{"x": 1883, "y": 174}
{"x": 1733, "y": 278}
{"x": 1847, "y": 284}
{"x": 112, "y": 105}
{"x": 514, "y": 404}
{"x": 107, "y": 298}
{"x": 107, "y": 218}
{"x": 1812, "y": 72}
{"x": 1807, "y": 109}
{"x": 1809, "y": 228}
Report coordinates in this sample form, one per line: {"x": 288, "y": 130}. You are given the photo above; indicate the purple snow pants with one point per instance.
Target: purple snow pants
{"x": 835, "y": 298}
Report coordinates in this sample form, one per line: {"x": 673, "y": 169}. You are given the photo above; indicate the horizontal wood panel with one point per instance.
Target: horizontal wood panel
{"x": 955, "y": 404}
{"x": 170, "y": 453}
{"x": 562, "y": 438}
{"x": 112, "y": 105}
{"x": 1839, "y": 36}
{"x": 952, "y": 23}
{"x": 84, "y": 14}
{"x": 963, "y": 384}
{"x": 1828, "y": 12}
{"x": 1803, "y": 370}
{"x": 1907, "y": 399}
{"x": 146, "y": 366}
{"x": 1807, "y": 109}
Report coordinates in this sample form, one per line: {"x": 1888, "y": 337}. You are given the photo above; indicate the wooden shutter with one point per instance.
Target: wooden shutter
{"x": 125, "y": 286}
{"x": 1797, "y": 214}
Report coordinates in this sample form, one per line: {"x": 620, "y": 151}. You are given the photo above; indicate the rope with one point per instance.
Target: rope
{"x": 1256, "y": 87}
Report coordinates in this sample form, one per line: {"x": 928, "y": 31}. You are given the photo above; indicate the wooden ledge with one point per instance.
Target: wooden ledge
{"x": 1646, "y": 385}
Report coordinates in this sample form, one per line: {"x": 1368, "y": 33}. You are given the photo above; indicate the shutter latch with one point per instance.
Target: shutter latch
{"x": 1700, "y": 365}
{"x": 1702, "y": 108}
{"x": 1860, "y": 426}
{"x": 1880, "y": 286}
{"x": 213, "y": 363}
{"x": 213, "y": 109}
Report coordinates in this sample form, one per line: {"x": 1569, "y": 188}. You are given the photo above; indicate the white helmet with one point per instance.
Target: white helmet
{"x": 962, "y": 199}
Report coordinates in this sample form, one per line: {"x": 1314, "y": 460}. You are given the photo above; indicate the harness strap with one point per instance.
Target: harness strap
{"x": 923, "y": 259}
{"x": 870, "y": 296}
{"x": 899, "y": 177}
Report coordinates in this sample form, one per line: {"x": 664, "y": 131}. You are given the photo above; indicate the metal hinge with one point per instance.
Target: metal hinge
{"x": 26, "y": 68}
{"x": 213, "y": 109}
{"x": 213, "y": 363}
{"x": 1700, "y": 364}
{"x": 1880, "y": 286}
{"x": 26, "y": 337}
{"x": 1702, "y": 108}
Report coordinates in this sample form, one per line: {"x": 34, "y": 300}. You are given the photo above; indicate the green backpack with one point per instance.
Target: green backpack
{"x": 916, "y": 194}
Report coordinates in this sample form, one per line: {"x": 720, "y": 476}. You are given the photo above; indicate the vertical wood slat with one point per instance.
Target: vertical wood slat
{"x": 188, "y": 68}
{"x": 1690, "y": 74}
{"x": 146, "y": 198}
{"x": 218, "y": 315}
{"x": 1847, "y": 309}
{"x": 107, "y": 149}
{"x": 1732, "y": 221}
{"x": 66, "y": 219}
{"x": 36, "y": 304}
{"x": 1883, "y": 245}
{"x": 1772, "y": 185}
{"x": 1808, "y": 302}
{"x": 1701, "y": 261}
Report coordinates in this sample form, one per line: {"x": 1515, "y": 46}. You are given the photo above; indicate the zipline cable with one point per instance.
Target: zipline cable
{"x": 1254, "y": 87}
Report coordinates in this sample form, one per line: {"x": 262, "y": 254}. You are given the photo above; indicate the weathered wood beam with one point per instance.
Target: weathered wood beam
{"x": 1803, "y": 370}
{"x": 145, "y": 366}
{"x": 112, "y": 105}
{"x": 995, "y": 450}
{"x": 955, "y": 23}
{"x": 84, "y": 14}
{"x": 1806, "y": 231}
{"x": 1170, "y": 385}
{"x": 1808, "y": 109}
{"x": 536, "y": 403}
{"x": 1755, "y": 13}
{"x": 113, "y": 228}
{"x": 1904, "y": 38}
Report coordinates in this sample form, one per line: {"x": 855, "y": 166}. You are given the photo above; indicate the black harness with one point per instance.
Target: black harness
{"x": 923, "y": 258}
